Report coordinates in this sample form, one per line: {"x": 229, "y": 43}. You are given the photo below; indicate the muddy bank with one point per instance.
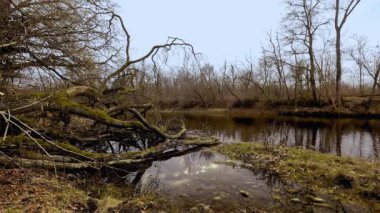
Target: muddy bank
{"x": 314, "y": 179}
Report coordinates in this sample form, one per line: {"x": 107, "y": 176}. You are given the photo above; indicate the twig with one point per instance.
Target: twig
{"x": 63, "y": 149}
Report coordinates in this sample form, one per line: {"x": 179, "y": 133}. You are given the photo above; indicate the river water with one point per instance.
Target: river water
{"x": 344, "y": 137}
{"x": 200, "y": 177}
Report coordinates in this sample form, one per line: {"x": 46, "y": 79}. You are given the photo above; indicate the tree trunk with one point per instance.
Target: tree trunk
{"x": 312, "y": 71}
{"x": 338, "y": 83}
{"x": 374, "y": 86}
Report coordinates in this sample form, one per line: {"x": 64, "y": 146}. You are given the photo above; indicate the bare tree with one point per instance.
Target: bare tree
{"x": 301, "y": 23}
{"x": 369, "y": 61}
{"x": 68, "y": 40}
{"x": 276, "y": 56}
{"x": 343, "y": 9}
{"x": 78, "y": 44}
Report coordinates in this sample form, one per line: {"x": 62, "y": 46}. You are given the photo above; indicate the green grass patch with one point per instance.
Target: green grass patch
{"x": 350, "y": 180}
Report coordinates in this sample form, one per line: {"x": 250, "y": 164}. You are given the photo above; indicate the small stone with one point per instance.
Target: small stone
{"x": 183, "y": 195}
{"x": 217, "y": 199}
{"x": 296, "y": 200}
{"x": 244, "y": 193}
{"x": 324, "y": 205}
{"x": 317, "y": 200}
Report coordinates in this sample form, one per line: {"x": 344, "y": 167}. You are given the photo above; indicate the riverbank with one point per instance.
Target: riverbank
{"x": 312, "y": 178}
{"x": 304, "y": 112}
{"x": 353, "y": 107}
{"x": 299, "y": 180}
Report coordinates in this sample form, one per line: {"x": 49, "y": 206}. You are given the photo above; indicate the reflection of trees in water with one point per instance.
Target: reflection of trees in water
{"x": 207, "y": 155}
{"x": 338, "y": 137}
{"x": 326, "y": 140}
{"x": 148, "y": 184}
{"x": 124, "y": 142}
{"x": 276, "y": 133}
{"x": 341, "y": 136}
{"x": 270, "y": 178}
{"x": 376, "y": 144}
{"x": 148, "y": 179}
{"x": 188, "y": 159}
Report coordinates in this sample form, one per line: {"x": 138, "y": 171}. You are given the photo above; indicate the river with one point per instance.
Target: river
{"x": 344, "y": 137}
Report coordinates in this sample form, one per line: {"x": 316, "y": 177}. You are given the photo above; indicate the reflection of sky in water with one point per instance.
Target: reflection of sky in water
{"x": 196, "y": 177}
{"x": 360, "y": 138}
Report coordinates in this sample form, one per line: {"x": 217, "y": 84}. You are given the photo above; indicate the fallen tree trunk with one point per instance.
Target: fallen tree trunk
{"x": 82, "y": 116}
{"x": 121, "y": 161}
{"x": 61, "y": 102}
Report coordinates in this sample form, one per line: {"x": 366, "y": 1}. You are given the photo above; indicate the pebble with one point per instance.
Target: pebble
{"x": 317, "y": 200}
{"x": 244, "y": 193}
{"x": 296, "y": 200}
{"x": 217, "y": 199}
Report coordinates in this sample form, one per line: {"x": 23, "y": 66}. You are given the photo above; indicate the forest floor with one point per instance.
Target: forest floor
{"x": 26, "y": 190}
{"x": 34, "y": 190}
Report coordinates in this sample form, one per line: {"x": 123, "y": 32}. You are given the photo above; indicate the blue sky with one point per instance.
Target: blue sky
{"x": 224, "y": 29}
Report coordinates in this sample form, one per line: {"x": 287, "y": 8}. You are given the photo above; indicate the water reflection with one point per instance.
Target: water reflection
{"x": 347, "y": 137}
{"x": 198, "y": 178}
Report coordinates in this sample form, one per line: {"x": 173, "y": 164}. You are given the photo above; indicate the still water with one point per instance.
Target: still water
{"x": 344, "y": 137}
{"x": 199, "y": 177}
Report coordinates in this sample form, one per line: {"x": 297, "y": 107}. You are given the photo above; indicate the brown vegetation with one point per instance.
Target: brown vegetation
{"x": 68, "y": 83}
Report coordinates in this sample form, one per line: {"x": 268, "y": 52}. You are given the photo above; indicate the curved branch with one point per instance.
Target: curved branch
{"x": 172, "y": 42}
{"x": 155, "y": 128}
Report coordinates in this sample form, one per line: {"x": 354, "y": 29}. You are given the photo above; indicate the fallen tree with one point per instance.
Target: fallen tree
{"x": 60, "y": 144}
{"x": 78, "y": 104}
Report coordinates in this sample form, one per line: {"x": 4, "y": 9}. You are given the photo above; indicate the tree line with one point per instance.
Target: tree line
{"x": 306, "y": 60}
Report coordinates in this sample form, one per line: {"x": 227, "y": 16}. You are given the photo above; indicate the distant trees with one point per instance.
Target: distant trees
{"x": 301, "y": 63}
{"x": 55, "y": 44}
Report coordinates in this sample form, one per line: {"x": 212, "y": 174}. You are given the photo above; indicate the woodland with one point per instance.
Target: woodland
{"x": 75, "y": 97}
